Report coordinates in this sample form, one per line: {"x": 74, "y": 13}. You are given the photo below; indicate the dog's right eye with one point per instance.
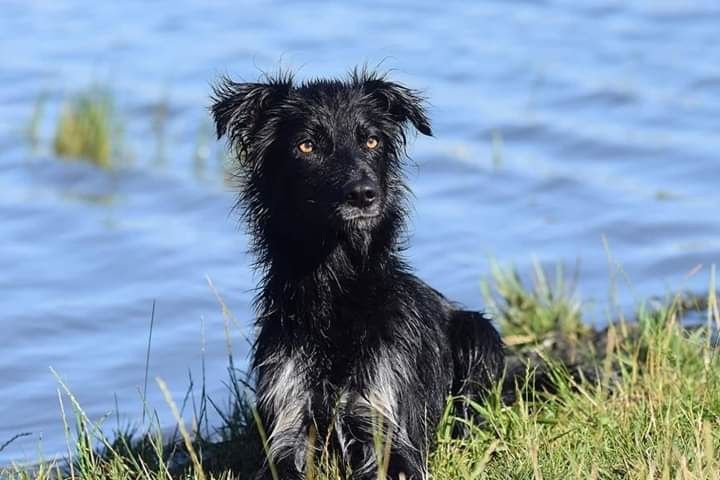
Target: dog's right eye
{"x": 306, "y": 147}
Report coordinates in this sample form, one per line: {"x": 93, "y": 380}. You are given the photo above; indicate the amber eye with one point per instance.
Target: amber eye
{"x": 306, "y": 147}
{"x": 372, "y": 142}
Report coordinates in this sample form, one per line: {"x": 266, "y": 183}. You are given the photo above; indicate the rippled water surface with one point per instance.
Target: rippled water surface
{"x": 557, "y": 123}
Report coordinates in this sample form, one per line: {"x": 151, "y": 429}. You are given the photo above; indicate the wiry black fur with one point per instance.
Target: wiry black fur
{"x": 350, "y": 343}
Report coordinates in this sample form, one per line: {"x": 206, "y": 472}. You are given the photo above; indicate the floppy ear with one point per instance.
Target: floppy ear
{"x": 239, "y": 108}
{"x": 401, "y": 102}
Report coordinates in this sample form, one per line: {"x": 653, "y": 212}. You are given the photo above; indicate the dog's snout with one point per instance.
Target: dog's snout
{"x": 361, "y": 193}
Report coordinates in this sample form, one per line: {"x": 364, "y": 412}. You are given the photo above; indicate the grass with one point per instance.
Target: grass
{"x": 648, "y": 408}
{"x": 88, "y": 128}
{"x": 545, "y": 307}
{"x": 635, "y": 400}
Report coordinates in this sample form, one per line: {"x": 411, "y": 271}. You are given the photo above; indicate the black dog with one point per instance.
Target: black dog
{"x": 350, "y": 343}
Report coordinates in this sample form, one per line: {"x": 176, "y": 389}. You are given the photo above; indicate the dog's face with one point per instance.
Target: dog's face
{"x": 325, "y": 153}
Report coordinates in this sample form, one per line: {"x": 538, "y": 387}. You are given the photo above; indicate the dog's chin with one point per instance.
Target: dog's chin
{"x": 359, "y": 220}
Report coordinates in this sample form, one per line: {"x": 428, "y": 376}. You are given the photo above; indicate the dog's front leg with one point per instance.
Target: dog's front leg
{"x": 283, "y": 404}
{"x": 394, "y": 441}
{"x": 287, "y": 444}
{"x": 405, "y": 461}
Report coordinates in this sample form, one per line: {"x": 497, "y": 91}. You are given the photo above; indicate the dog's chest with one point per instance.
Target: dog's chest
{"x": 362, "y": 392}
{"x": 351, "y": 359}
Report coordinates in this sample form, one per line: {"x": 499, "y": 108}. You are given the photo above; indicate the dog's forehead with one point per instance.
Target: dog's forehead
{"x": 332, "y": 97}
{"x": 326, "y": 89}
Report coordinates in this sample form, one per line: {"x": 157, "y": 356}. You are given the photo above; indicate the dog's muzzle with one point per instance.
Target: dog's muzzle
{"x": 361, "y": 200}
{"x": 361, "y": 194}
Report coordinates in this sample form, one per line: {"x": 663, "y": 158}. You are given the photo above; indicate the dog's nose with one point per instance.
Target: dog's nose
{"x": 361, "y": 194}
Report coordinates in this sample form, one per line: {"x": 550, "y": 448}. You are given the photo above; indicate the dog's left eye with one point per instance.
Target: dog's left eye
{"x": 306, "y": 147}
{"x": 372, "y": 142}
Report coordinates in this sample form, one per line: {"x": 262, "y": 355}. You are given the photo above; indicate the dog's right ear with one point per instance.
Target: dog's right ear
{"x": 239, "y": 109}
{"x": 403, "y": 104}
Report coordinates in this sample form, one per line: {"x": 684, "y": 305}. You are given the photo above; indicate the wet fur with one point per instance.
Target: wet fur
{"x": 350, "y": 343}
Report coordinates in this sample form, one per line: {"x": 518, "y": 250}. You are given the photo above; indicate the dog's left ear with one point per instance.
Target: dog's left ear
{"x": 402, "y": 103}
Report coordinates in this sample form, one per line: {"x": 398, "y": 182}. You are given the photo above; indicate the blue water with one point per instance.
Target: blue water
{"x": 557, "y": 124}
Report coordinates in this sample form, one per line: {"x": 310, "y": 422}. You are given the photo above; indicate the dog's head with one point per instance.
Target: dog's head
{"x": 326, "y": 153}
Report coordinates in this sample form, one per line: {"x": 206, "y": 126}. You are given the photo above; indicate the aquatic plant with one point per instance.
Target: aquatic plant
{"x": 33, "y": 127}
{"x": 201, "y": 152}
{"x": 159, "y": 119}
{"x": 88, "y": 128}
{"x": 497, "y": 149}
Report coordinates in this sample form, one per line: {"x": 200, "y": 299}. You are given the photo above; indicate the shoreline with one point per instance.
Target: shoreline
{"x": 570, "y": 364}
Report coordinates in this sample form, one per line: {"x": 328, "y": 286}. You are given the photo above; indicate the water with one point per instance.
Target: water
{"x": 557, "y": 123}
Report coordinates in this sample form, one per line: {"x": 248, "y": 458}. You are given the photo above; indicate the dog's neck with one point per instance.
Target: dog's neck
{"x": 305, "y": 276}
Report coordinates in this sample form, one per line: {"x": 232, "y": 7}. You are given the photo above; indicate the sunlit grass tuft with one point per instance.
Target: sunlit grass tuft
{"x": 545, "y": 307}
{"x": 88, "y": 128}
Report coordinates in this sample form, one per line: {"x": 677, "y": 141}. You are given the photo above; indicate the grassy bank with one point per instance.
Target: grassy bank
{"x": 639, "y": 399}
